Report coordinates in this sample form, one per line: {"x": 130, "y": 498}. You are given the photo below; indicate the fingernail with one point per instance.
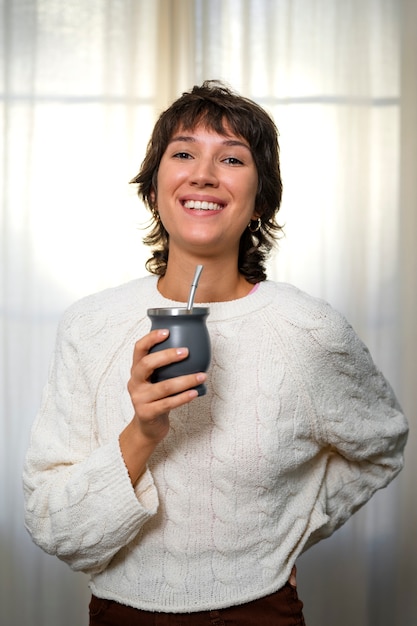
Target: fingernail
{"x": 164, "y": 332}
{"x": 181, "y": 351}
{"x": 201, "y": 377}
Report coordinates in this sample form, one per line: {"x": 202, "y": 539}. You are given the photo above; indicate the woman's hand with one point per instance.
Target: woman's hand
{"x": 152, "y": 402}
{"x": 293, "y": 577}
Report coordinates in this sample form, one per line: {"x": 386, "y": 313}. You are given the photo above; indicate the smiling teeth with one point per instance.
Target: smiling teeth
{"x": 202, "y": 206}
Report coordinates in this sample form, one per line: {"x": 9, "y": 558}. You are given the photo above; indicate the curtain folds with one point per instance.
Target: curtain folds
{"x": 407, "y": 271}
{"x": 81, "y": 84}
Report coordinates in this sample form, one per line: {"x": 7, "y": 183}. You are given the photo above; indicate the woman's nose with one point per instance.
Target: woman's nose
{"x": 204, "y": 174}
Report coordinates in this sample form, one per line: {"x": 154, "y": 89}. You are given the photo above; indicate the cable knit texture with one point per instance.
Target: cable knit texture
{"x": 298, "y": 429}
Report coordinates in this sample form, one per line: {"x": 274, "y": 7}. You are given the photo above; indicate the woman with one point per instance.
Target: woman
{"x": 193, "y": 510}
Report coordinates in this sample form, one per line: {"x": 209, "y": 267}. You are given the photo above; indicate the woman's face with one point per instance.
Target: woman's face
{"x": 207, "y": 185}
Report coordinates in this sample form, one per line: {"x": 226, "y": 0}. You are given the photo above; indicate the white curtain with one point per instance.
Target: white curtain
{"x": 81, "y": 84}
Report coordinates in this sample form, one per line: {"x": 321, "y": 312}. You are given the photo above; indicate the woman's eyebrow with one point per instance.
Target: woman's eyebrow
{"x": 181, "y": 138}
{"x": 226, "y": 142}
{"x": 235, "y": 142}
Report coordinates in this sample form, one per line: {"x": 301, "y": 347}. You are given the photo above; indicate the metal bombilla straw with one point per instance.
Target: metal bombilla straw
{"x": 194, "y": 285}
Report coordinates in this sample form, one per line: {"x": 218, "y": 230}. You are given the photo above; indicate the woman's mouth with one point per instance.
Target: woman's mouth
{"x": 202, "y": 205}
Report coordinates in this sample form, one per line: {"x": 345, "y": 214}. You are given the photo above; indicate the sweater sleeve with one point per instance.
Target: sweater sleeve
{"x": 357, "y": 419}
{"x": 79, "y": 501}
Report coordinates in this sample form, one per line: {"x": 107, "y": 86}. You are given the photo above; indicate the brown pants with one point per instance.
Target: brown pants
{"x": 282, "y": 608}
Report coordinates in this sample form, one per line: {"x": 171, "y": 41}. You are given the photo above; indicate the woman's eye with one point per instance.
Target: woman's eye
{"x": 182, "y": 155}
{"x": 233, "y": 161}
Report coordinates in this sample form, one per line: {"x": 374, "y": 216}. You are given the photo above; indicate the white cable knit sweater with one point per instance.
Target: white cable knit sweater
{"x": 298, "y": 429}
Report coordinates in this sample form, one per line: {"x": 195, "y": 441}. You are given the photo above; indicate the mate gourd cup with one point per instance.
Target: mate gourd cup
{"x": 187, "y": 329}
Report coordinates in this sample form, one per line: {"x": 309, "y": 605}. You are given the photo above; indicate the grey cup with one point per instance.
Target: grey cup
{"x": 187, "y": 328}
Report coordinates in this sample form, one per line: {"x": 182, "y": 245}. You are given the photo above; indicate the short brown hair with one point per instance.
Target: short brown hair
{"x": 215, "y": 106}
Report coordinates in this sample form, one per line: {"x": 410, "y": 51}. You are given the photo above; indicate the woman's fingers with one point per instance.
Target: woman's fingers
{"x": 145, "y": 363}
{"x": 142, "y": 346}
{"x": 150, "y": 399}
{"x": 161, "y": 398}
{"x": 153, "y": 361}
{"x": 172, "y": 392}
{"x": 293, "y": 577}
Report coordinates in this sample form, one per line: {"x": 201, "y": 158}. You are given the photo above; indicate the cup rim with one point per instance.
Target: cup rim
{"x": 175, "y": 311}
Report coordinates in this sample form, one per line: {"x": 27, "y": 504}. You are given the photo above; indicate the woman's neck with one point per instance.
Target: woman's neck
{"x": 218, "y": 282}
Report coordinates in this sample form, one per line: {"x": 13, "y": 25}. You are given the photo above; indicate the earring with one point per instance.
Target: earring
{"x": 257, "y": 227}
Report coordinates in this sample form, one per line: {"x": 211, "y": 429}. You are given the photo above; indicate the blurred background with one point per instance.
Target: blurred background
{"x": 81, "y": 84}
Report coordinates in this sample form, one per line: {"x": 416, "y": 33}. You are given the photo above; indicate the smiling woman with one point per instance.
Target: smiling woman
{"x": 206, "y": 193}
{"x": 200, "y": 506}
